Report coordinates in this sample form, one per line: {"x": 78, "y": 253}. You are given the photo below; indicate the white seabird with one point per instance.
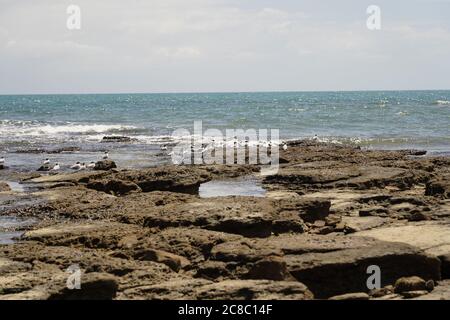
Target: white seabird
{"x": 83, "y": 166}
{"x": 76, "y": 166}
{"x": 56, "y": 167}
{"x": 91, "y": 165}
{"x": 285, "y": 146}
{"x": 106, "y": 155}
{"x": 2, "y": 160}
{"x": 46, "y": 161}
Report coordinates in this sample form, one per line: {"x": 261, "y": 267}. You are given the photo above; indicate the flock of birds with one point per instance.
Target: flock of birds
{"x": 56, "y": 167}
{"x": 78, "y": 166}
{"x": 235, "y": 142}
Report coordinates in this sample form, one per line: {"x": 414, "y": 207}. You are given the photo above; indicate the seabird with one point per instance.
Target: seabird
{"x": 316, "y": 137}
{"x": 83, "y": 166}
{"x": 46, "y": 161}
{"x": 285, "y": 147}
{"x": 56, "y": 167}
{"x": 76, "y": 166}
{"x": 91, "y": 165}
{"x": 106, "y": 155}
{"x": 2, "y": 160}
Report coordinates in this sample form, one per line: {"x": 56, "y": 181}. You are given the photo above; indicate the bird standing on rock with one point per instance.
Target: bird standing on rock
{"x": 106, "y": 155}
{"x": 91, "y": 165}
{"x": 46, "y": 162}
{"x": 76, "y": 166}
{"x": 56, "y": 167}
{"x": 2, "y": 161}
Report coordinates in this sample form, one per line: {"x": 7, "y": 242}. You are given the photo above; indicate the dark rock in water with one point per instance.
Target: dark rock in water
{"x": 44, "y": 168}
{"x": 94, "y": 286}
{"x": 117, "y": 139}
{"x": 105, "y": 165}
{"x": 65, "y": 149}
{"x": 4, "y": 187}
{"x": 116, "y": 187}
{"x": 415, "y": 152}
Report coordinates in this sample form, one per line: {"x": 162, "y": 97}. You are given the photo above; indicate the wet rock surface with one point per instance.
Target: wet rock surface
{"x": 329, "y": 213}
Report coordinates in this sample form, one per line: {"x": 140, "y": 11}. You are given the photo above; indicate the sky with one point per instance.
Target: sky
{"x": 220, "y": 46}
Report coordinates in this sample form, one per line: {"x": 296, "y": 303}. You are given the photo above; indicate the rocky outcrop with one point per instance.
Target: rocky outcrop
{"x": 105, "y": 165}
{"x": 4, "y": 187}
{"x": 335, "y": 273}
{"x": 329, "y": 213}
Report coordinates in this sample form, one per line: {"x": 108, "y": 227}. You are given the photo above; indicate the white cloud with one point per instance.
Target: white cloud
{"x": 209, "y": 45}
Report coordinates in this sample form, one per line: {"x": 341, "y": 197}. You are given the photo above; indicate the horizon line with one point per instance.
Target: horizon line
{"x": 220, "y": 92}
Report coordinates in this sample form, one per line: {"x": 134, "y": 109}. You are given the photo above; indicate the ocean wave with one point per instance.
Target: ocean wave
{"x": 31, "y": 128}
{"x": 442, "y": 102}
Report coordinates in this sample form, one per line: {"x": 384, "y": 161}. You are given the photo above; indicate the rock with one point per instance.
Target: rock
{"x": 438, "y": 188}
{"x": 212, "y": 270}
{"x": 105, "y": 165}
{"x": 355, "y": 224}
{"x": 430, "y": 285}
{"x": 173, "y": 261}
{"x": 441, "y": 292}
{"x": 115, "y": 187}
{"x": 377, "y": 293}
{"x": 94, "y": 286}
{"x": 414, "y": 294}
{"x": 247, "y": 216}
{"x": 432, "y": 237}
{"x": 117, "y": 139}
{"x": 445, "y": 266}
{"x": 409, "y": 284}
{"x": 270, "y": 268}
{"x": 351, "y": 296}
{"x": 254, "y": 290}
{"x": 97, "y": 234}
{"x": 340, "y": 272}
{"x": 4, "y": 187}
{"x": 44, "y": 168}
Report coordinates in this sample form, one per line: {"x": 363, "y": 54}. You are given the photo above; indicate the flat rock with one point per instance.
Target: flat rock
{"x": 247, "y": 216}
{"x": 432, "y": 237}
{"x": 254, "y": 290}
{"x": 351, "y": 296}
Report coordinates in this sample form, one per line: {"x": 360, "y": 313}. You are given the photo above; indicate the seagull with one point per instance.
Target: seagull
{"x": 106, "y": 155}
{"x": 83, "y": 166}
{"x": 2, "y": 161}
{"x": 316, "y": 137}
{"x": 91, "y": 165}
{"x": 56, "y": 167}
{"x": 285, "y": 146}
{"x": 76, "y": 166}
{"x": 46, "y": 161}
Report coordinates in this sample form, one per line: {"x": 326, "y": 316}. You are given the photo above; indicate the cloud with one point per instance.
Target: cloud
{"x": 217, "y": 45}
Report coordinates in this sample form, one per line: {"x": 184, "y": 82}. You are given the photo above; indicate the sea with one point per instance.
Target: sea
{"x": 35, "y": 127}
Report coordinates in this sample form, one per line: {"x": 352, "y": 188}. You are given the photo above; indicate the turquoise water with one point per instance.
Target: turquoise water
{"x": 390, "y": 119}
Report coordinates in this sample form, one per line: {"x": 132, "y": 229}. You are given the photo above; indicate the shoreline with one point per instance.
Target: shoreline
{"x": 148, "y": 233}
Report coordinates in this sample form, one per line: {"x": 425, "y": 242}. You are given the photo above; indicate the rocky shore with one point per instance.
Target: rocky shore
{"x": 329, "y": 213}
